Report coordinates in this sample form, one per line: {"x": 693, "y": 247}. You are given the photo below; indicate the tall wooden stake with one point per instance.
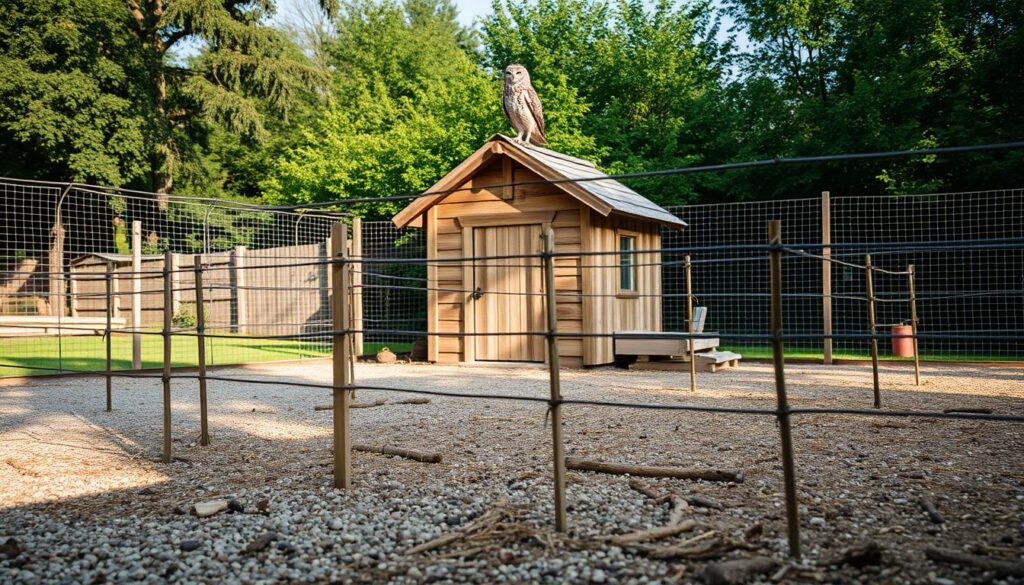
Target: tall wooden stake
{"x": 204, "y": 428}
{"x": 341, "y": 273}
{"x": 136, "y": 295}
{"x": 561, "y": 522}
{"x": 168, "y": 302}
{"x": 826, "y": 277}
{"x": 782, "y": 403}
{"x": 913, "y": 323}
{"x": 689, "y": 319}
{"x": 110, "y": 315}
{"x": 872, "y": 325}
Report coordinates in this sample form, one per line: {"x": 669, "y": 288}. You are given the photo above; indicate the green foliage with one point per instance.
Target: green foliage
{"x": 407, "y": 104}
{"x": 73, "y": 103}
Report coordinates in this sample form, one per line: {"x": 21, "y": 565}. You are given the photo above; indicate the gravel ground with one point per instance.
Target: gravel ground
{"x": 85, "y": 499}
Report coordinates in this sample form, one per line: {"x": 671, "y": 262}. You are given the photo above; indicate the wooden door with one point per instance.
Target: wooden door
{"x": 510, "y": 298}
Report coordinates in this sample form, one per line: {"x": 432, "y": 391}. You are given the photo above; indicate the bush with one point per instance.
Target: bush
{"x": 185, "y": 317}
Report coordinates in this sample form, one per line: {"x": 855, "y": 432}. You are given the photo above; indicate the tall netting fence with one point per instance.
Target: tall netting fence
{"x": 732, "y": 282}
{"x": 62, "y": 240}
{"x": 964, "y": 249}
{"x": 394, "y": 298}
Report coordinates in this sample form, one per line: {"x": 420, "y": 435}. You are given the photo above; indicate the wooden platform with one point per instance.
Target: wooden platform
{"x": 651, "y": 344}
{"x": 646, "y": 350}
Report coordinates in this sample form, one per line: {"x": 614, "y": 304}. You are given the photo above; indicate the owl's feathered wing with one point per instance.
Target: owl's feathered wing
{"x": 537, "y": 111}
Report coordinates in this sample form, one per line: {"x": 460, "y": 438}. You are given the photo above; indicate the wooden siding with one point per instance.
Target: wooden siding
{"x": 604, "y": 309}
{"x": 455, "y": 311}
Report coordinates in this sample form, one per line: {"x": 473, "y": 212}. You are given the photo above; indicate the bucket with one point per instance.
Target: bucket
{"x": 902, "y": 346}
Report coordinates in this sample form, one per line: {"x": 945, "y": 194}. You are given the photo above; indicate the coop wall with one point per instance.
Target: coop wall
{"x": 605, "y": 308}
{"x": 448, "y": 237}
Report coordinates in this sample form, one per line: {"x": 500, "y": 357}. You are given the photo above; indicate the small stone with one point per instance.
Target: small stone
{"x": 817, "y": 521}
{"x": 190, "y": 545}
{"x": 236, "y": 506}
{"x": 260, "y": 543}
{"x": 205, "y": 509}
{"x": 146, "y": 491}
{"x": 11, "y": 548}
{"x": 506, "y": 556}
{"x": 286, "y": 547}
{"x": 263, "y": 505}
{"x": 337, "y": 524}
{"x": 598, "y": 576}
{"x": 414, "y": 573}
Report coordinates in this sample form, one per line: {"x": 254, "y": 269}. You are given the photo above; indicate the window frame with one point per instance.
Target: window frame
{"x": 634, "y": 292}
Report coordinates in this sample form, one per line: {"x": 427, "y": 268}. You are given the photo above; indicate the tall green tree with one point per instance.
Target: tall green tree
{"x": 73, "y": 103}
{"x": 651, "y": 78}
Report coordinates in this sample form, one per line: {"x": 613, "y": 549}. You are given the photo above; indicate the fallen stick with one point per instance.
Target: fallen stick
{"x": 578, "y": 464}
{"x": 933, "y": 513}
{"x": 1001, "y": 567}
{"x": 375, "y": 403}
{"x": 491, "y": 517}
{"x": 969, "y": 410}
{"x": 653, "y": 533}
{"x": 421, "y": 456}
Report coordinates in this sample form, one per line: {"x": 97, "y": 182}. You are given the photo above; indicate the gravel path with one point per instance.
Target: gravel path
{"x": 85, "y": 499}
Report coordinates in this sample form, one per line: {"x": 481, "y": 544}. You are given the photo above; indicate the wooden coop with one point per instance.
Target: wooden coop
{"x": 596, "y": 294}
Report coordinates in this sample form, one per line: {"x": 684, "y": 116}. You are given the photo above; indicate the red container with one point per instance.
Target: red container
{"x": 902, "y": 346}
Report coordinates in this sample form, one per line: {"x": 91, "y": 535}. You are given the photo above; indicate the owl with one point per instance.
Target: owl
{"x": 522, "y": 106}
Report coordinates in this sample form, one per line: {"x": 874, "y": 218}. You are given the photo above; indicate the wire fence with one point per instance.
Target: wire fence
{"x": 50, "y": 318}
{"x": 62, "y": 238}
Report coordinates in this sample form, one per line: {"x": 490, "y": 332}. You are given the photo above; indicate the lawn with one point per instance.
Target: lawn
{"x": 765, "y": 352}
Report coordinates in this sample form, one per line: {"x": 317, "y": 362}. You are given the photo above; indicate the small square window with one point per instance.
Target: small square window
{"x": 627, "y": 264}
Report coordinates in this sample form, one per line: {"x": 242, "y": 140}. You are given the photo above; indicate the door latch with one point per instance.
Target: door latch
{"x": 477, "y": 293}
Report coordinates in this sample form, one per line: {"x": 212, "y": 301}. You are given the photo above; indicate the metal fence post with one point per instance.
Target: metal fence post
{"x": 913, "y": 322}
{"x": 197, "y": 267}
{"x": 136, "y": 295}
{"x": 782, "y": 403}
{"x": 689, "y": 319}
{"x": 872, "y": 328}
{"x": 341, "y": 276}
{"x": 168, "y": 301}
{"x": 107, "y": 332}
{"x": 561, "y": 522}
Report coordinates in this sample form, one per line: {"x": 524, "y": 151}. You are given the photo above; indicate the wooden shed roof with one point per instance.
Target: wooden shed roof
{"x": 116, "y": 258}
{"x": 604, "y": 195}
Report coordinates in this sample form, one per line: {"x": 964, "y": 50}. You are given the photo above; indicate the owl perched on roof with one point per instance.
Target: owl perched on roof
{"x": 522, "y": 106}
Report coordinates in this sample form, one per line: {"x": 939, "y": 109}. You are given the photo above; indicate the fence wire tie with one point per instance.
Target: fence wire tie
{"x": 552, "y": 403}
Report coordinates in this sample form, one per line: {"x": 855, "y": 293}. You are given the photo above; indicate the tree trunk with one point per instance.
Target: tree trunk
{"x": 163, "y": 160}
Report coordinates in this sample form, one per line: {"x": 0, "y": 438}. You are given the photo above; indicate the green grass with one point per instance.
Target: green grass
{"x": 24, "y": 356}
{"x": 765, "y": 352}
{"x": 30, "y": 355}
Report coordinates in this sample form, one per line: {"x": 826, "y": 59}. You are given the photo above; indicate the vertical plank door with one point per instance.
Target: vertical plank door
{"x": 512, "y": 299}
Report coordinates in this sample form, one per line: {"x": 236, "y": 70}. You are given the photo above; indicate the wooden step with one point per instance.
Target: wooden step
{"x": 712, "y": 361}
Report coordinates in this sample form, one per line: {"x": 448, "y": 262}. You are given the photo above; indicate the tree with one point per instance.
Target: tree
{"x": 650, "y": 77}
{"x": 72, "y": 99}
{"x": 243, "y": 61}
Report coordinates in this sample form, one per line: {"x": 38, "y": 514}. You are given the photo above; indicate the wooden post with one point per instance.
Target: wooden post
{"x": 872, "y": 329}
{"x": 136, "y": 295}
{"x": 561, "y": 522}
{"x": 357, "y": 288}
{"x": 826, "y": 277}
{"x": 108, "y": 334}
{"x": 167, "y": 358}
{"x": 913, "y": 322}
{"x": 197, "y": 268}
{"x": 239, "y": 278}
{"x": 782, "y": 402}
{"x": 689, "y": 320}
{"x": 175, "y": 284}
{"x": 56, "y": 268}
{"x": 341, "y": 275}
